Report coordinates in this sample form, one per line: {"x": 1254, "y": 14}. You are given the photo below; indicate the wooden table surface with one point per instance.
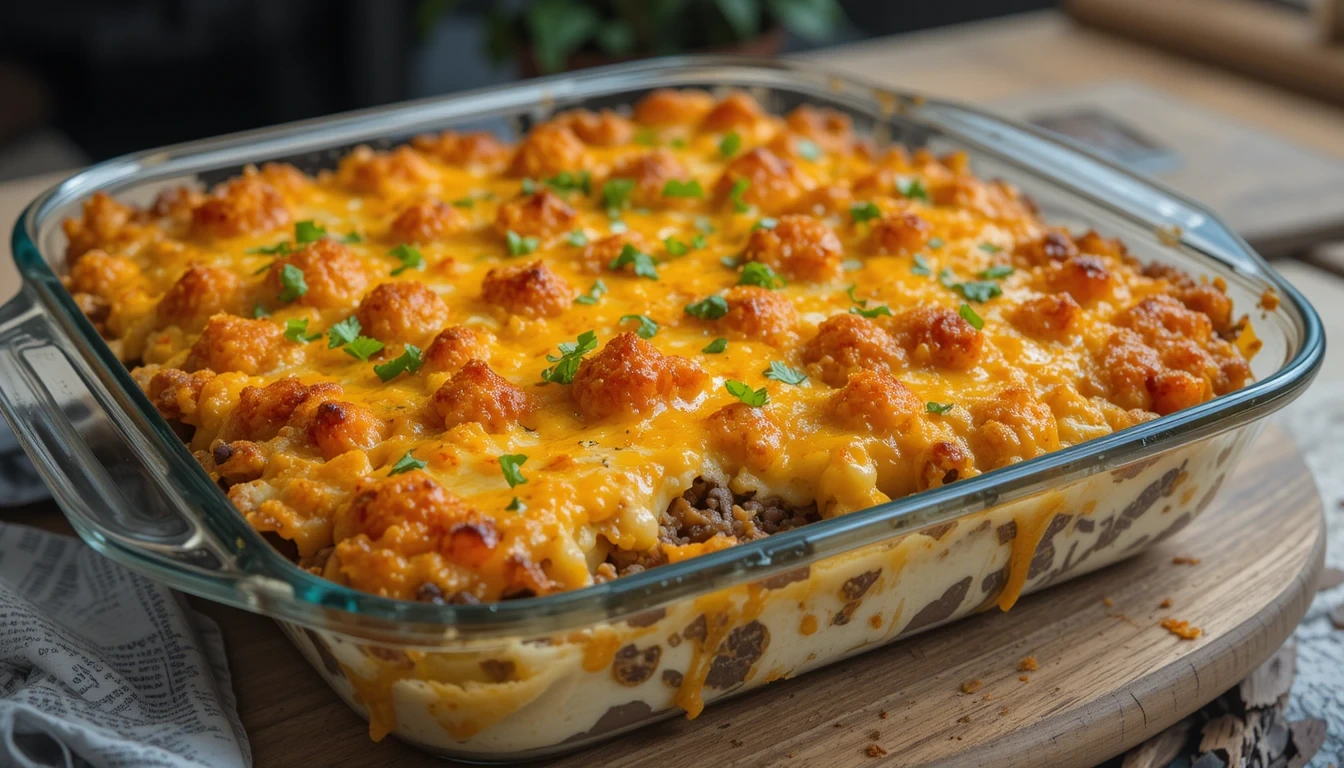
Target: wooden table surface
{"x": 982, "y": 62}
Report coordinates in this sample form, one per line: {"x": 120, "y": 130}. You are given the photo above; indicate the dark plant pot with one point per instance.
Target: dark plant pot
{"x": 768, "y": 43}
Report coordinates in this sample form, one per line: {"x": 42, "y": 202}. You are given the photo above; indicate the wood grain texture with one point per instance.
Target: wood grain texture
{"x": 1109, "y": 676}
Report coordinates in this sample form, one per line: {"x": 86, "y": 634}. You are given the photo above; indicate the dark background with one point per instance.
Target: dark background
{"x": 105, "y": 77}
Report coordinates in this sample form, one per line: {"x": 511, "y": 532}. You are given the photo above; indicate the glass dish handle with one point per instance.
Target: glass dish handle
{"x": 60, "y": 413}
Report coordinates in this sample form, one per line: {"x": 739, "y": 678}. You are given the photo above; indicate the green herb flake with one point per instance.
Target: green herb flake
{"x": 617, "y": 227}
{"x": 735, "y": 194}
{"x": 675, "y": 188}
{"x": 935, "y": 243}
{"x": 616, "y": 194}
{"x": 279, "y": 249}
{"x": 678, "y": 143}
{"x": 716, "y": 346}
{"x": 913, "y": 189}
{"x": 632, "y": 256}
{"x": 729, "y": 261}
{"x": 862, "y": 212}
{"x": 997, "y": 272}
{"x": 704, "y": 225}
{"x": 756, "y": 273}
{"x": 708, "y": 308}
{"x": 809, "y": 150}
{"x": 529, "y": 186}
{"x": 362, "y": 347}
{"x": 406, "y": 463}
{"x": 989, "y": 248}
{"x": 258, "y": 311}
{"x": 572, "y": 181}
{"x": 646, "y": 137}
{"x": 766, "y": 223}
{"x": 781, "y": 372}
{"x": 511, "y": 464}
{"x": 676, "y": 247}
{"x": 745, "y": 394}
{"x": 343, "y": 333}
{"x": 409, "y": 256}
{"x": 296, "y": 330}
{"x": 519, "y": 245}
{"x": 921, "y": 266}
{"x": 849, "y": 265}
{"x": 938, "y": 408}
{"x": 409, "y": 361}
{"x": 647, "y": 327}
{"x": 971, "y": 317}
{"x": 352, "y": 237}
{"x": 464, "y": 202}
{"x": 979, "y": 291}
{"x": 730, "y": 144}
{"x": 516, "y": 505}
{"x": 576, "y": 239}
{"x": 571, "y": 353}
{"x": 698, "y": 242}
{"x": 292, "y": 284}
{"x": 877, "y": 310}
{"x": 590, "y": 298}
{"x": 307, "y": 232}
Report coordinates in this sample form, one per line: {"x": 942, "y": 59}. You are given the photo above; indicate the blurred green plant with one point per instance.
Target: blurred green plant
{"x": 556, "y": 29}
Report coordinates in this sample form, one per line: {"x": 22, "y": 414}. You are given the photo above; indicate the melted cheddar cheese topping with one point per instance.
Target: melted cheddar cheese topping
{"x": 463, "y": 370}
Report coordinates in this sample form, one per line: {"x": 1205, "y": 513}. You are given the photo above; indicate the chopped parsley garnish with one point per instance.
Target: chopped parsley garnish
{"x": 617, "y": 226}
{"x": 362, "y": 347}
{"x": 576, "y": 239}
{"x": 935, "y": 243}
{"x": 406, "y": 464}
{"x": 766, "y": 223}
{"x": 756, "y": 273}
{"x": 647, "y": 327}
{"x": 735, "y": 194}
{"x": 809, "y": 150}
{"x": 646, "y": 137}
{"x": 971, "y": 317}
{"x": 642, "y": 262}
{"x": 511, "y": 464}
{"x": 409, "y": 256}
{"x": 921, "y": 266}
{"x": 849, "y": 265}
{"x": 569, "y": 181}
{"x": 781, "y": 372}
{"x": 978, "y": 291}
{"x": 938, "y": 408}
{"x": 409, "y": 361}
{"x": 616, "y": 194}
{"x": 296, "y": 330}
{"x": 716, "y": 346}
{"x": 529, "y": 186}
{"x": 675, "y": 188}
{"x": 516, "y": 505}
{"x": 730, "y": 144}
{"x": 519, "y": 245}
{"x": 292, "y": 284}
{"x": 598, "y": 290}
{"x": 703, "y": 224}
{"x": 464, "y": 202}
{"x": 279, "y": 249}
{"x": 698, "y": 241}
{"x": 729, "y": 261}
{"x": 352, "y": 237}
{"x": 307, "y": 232}
{"x": 676, "y": 247}
{"x": 678, "y": 143}
{"x": 741, "y": 391}
{"x": 913, "y": 189}
{"x": 865, "y": 211}
{"x": 997, "y": 272}
{"x": 571, "y": 353}
{"x": 861, "y": 307}
{"x": 989, "y": 248}
{"x": 708, "y": 308}
{"x": 259, "y": 311}
{"x": 343, "y": 332}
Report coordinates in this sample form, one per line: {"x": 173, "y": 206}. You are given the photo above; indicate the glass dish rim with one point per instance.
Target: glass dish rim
{"x": 261, "y": 566}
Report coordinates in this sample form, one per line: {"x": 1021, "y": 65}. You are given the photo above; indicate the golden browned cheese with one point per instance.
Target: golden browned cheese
{"x": 467, "y": 370}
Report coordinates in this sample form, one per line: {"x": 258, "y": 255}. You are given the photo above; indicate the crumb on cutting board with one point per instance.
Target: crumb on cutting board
{"x": 1181, "y": 628}
{"x": 1028, "y": 664}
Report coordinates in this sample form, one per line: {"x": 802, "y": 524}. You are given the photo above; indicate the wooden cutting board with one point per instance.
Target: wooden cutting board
{"x": 1109, "y": 676}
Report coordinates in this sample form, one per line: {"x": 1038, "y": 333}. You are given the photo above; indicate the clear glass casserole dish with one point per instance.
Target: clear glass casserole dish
{"x": 526, "y": 678}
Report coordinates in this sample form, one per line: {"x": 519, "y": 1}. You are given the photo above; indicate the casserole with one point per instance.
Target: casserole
{"x": 529, "y": 677}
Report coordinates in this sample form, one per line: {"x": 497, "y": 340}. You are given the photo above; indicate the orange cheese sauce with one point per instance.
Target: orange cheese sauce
{"x": 385, "y": 364}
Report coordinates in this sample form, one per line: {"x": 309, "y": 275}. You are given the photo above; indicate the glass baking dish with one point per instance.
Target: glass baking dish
{"x": 527, "y": 678}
